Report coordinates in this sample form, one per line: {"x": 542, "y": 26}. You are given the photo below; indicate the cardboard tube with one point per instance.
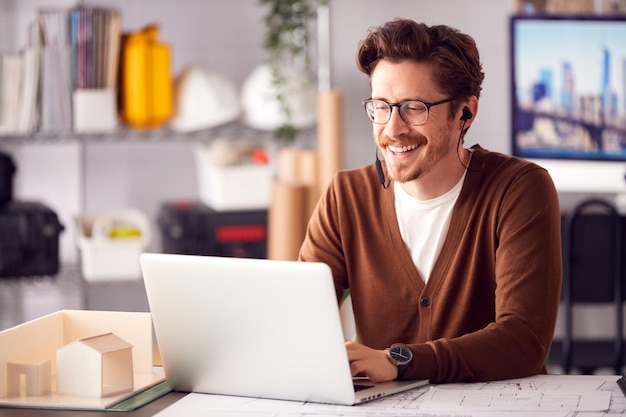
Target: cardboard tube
{"x": 300, "y": 167}
{"x": 308, "y": 175}
{"x": 286, "y": 221}
{"x": 329, "y": 136}
{"x": 288, "y": 170}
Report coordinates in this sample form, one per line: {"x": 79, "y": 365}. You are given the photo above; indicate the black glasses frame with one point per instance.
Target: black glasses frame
{"x": 399, "y": 106}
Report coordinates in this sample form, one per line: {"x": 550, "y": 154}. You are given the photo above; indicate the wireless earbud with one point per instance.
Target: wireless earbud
{"x": 381, "y": 173}
{"x": 467, "y": 114}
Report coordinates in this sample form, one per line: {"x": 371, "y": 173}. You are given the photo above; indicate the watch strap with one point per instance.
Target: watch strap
{"x": 402, "y": 370}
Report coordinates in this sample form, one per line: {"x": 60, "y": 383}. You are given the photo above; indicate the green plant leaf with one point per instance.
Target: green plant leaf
{"x": 285, "y": 40}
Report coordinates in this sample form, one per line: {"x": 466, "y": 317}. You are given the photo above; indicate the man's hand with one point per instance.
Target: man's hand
{"x": 372, "y": 363}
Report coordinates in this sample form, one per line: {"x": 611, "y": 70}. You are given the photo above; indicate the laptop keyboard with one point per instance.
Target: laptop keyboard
{"x": 361, "y": 387}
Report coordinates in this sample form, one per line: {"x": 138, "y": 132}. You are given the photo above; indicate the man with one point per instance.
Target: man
{"x": 452, "y": 256}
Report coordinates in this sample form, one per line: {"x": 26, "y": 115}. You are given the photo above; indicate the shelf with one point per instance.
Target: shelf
{"x": 126, "y": 135}
{"x": 68, "y": 276}
{"x": 27, "y": 297}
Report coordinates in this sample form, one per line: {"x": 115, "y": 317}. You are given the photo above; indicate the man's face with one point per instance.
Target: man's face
{"x": 413, "y": 152}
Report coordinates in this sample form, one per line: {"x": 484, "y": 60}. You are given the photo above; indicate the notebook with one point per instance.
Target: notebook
{"x": 253, "y": 327}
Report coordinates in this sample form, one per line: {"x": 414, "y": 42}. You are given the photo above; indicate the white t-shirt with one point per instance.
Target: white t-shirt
{"x": 424, "y": 224}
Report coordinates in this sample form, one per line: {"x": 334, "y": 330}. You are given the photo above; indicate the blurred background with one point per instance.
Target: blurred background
{"x": 188, "y": 137}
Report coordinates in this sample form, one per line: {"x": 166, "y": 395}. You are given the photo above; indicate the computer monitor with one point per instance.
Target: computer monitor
{"x": 568, "y": 90}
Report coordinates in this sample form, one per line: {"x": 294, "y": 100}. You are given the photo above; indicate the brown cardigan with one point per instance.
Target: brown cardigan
{"x": 489, "y": 308}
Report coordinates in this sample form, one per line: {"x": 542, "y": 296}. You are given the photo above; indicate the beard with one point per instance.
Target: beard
{"x": 432, "y": 152}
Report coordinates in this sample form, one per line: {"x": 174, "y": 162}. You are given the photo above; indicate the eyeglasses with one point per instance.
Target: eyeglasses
{"x": 412, "y": 112}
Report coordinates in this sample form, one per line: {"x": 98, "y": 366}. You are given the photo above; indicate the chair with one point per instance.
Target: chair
{"x": 592, "y": 273}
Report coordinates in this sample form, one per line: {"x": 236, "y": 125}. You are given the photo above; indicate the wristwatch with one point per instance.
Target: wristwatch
{"x": 401, "y": 356}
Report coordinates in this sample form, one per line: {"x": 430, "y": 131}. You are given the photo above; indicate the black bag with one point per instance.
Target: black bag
{"x": 29, "y": 239}
{"x": 7, "y": 171}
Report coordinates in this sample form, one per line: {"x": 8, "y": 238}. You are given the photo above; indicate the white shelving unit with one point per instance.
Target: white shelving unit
{"x": 75, "y": 173}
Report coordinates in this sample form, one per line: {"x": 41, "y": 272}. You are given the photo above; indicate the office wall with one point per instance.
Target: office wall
{"x": 227, "y": 36}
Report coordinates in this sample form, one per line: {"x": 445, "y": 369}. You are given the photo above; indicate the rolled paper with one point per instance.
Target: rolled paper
{"x": 286, "y": 221}
{"x": 300, "y": 167}
{"x": 308, "y": 175}
{"x": 329, "y": 136}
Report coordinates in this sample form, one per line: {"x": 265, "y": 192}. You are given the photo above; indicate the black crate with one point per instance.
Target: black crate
{"x": 193, "y": 228}
{"x": 185, "y": 228}
{"x": 240, "y": 234}
{"x": 29, "y": 239}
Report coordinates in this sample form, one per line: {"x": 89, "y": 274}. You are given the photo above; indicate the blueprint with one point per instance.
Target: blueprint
{"x": 553, "y": 395}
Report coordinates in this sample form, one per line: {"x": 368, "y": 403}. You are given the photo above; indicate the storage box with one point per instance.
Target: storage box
{"x": 29, "y": 239}
{"x": 193, "y": 228}
{"x": 110, "y": 244}
{"x": 94, "y": 111}
{"x": 245, "y": 186}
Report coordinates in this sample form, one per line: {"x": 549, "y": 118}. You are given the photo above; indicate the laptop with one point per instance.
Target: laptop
{"x": 253, "y": 328}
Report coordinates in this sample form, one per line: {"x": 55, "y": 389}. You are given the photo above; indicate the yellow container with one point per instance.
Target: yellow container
{"x": 147, "y": 98}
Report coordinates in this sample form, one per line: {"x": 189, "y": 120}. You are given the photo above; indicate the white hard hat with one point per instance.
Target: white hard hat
{"x": 261, "y": 109}
{"x": 204, "y": 98}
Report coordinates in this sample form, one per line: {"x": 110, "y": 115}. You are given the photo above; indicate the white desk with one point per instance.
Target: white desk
{"x": 560, "y": 393}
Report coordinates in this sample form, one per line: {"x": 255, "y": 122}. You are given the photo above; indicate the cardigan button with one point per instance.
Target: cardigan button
{"x": 425, "y": 301}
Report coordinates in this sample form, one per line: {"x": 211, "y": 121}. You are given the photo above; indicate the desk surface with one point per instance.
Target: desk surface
{"x": 403, "y": 404}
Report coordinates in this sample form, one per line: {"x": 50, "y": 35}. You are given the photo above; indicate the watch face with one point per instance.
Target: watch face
{"x": 401, "y": 354}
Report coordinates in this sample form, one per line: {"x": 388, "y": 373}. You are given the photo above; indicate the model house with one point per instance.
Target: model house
{"x": 37, "y": 378}
{"x": 96, "y": 366}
